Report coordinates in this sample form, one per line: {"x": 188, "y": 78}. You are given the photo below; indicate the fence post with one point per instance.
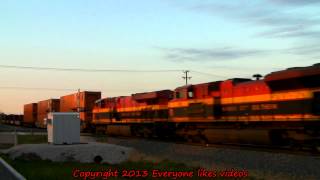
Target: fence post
{"x": 15, "y": 136}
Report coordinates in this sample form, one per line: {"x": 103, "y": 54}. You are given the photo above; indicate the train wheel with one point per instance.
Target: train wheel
{"x": 146, "y": 135}
{"x": 276, "y": 137}
{"x": 189, "y": 138}
{"x": 204, "y": 140}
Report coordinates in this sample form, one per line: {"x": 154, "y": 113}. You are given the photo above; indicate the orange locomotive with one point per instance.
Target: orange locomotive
{"x": 137, "y": 114}
{"x": 282, "y": 108}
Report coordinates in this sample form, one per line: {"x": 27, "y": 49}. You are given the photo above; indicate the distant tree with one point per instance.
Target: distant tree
{"x": 2, "y": 115}
{"x": 257, "y": 76}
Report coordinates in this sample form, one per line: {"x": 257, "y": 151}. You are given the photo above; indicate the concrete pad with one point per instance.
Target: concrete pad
{"x": 86, "y": 153}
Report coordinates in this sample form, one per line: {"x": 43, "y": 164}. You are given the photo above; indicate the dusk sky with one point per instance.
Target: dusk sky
{"x": 227, "y": 39}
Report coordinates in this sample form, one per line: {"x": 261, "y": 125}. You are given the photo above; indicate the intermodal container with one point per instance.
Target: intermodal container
{"x": 82, "y": 102}
{"x": 45, "y": 107}
{"x": 30, "y": 114}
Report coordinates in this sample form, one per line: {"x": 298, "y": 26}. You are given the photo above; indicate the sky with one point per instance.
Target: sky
{"x": 222, "y": 39}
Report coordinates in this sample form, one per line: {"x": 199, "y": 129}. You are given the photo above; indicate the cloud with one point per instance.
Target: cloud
{"x": 291, "y": 21}
{"x": 295, "y": 2}
{"x": 287, "y": 32}
{"x": 273, "y": 21}
{"x": 304, "y": 50}
{"x": 215, "y": 54}
{"x": 231, "y": 53}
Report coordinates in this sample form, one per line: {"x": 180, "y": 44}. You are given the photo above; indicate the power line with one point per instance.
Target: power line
{"x": 209, "y": 74}
{"x": 35, "y": 88}
{"x": 87, "y": 70}
{"x": 103, "y": 70}
{"x": 59, "y": 89}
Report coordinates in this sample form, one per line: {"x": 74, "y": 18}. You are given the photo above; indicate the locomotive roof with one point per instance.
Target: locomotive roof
{"x": 201, "y": 84}
{"x": 252, "y": 82}
{"x": 105, "y": 99}
{"x": 239, "y": 80}
{"x": 152, "y": 95}
{"x": 294, "y": 73}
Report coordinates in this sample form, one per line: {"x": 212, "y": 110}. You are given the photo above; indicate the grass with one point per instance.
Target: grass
{"x": 32, "y": 139}
{"x": 44, "y": 169}
{"x": 39, "y": 169}
{"x": 27, "y": 139}
{"x": 101, "y": 138}
{"x": 33, "y": 168}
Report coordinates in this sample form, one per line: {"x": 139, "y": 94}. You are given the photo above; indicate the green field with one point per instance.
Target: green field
{"x": 39, "y": 169}
{"x": 27, "y": 139}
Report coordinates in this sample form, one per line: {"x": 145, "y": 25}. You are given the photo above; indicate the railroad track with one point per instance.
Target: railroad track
{"x": 268, "y": 148}
{"x": 305, "y": 151}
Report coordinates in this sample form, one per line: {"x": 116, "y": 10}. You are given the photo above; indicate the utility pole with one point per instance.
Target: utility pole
{"x": 186, "y": 77}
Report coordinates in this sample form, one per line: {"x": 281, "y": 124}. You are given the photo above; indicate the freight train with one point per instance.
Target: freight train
{"x": 13, "y": 119}
{"x": 35, "y": 114}
{"x": 283, "y": 108}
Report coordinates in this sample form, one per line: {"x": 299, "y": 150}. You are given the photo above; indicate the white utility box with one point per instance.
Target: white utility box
{"x": 63, "y": 128}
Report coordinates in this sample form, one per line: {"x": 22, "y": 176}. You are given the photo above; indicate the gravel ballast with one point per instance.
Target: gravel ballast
{"x": 260, "y": 164}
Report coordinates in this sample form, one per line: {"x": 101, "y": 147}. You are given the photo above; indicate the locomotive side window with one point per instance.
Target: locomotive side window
{"x": 190, "y": 94}
{"x": 177, "y": 95}
{"x": 316, "y": 103}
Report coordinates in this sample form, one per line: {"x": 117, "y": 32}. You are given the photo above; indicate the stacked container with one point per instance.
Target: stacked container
{"x": 82, "y": 102}
{"x": 45, "y": 107}
{"x": 30, "y": 114}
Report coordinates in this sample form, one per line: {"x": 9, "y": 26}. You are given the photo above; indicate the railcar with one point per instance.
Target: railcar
{"x": 81, "y": 102}
{"x": 30, "y": 114}
{"x": 13, "y": 119}
{"x": 45, "y": 107}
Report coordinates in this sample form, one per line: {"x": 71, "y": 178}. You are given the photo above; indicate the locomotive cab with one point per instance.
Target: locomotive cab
{"x": 185, "y": 92}
{"x": 190, "y": 93}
